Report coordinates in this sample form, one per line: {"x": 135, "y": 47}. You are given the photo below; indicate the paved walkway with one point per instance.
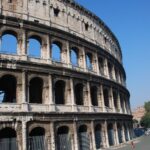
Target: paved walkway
{"x": 142, "y": 143}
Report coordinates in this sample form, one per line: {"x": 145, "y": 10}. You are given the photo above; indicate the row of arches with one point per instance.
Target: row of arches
{"x": 57, "y": 52}
{"x": 34, "y": 48}
{"x": 60, "y": 89}
{"x": 37, "y": 137}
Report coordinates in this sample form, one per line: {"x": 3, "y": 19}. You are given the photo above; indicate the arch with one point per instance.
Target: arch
{"x": 119, "y": 130}
{"x": 115, "y": 100}
{"x": 8, "y": 139}
{"x": 74, "y": 56}
{"x": 122, "y": 102}
{"x": 60, "y": 90}
{"x": 63, "y": 141}
{"x": 126, "y": 133}
{"x": 11, "y": 38}
{"x": 84, "y": 141}
{"x": 94, "y": 99}
{"x": 110, "y": 70}
{"x": 98, "y": 136}
{"x": 101, "y": 65}
{"x": 56, "y": 49}
{"x": 36, "y": 90}
{"x": 110, "y": 134}
{"x": 34, "y": 46}
{"x": 106, "y": 97}
{"x": 78, "y": 91}
{"x": 36, "y": 139}
{"x": 89, "y": 61}
{"x": 8, "y": 85}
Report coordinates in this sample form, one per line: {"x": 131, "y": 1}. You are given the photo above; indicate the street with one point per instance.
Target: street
{"x": 142, "y": 143}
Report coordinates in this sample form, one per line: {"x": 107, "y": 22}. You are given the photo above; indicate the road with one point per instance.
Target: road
{"x": 142, "y": 143}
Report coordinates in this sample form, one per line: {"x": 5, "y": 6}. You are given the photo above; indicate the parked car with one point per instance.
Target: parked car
{"x": 147, "y": 132}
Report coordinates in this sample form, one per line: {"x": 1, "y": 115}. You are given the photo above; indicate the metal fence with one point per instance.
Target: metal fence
{"x": 37, "y": 143}
{"x": 8, "y": 144}
{"x": 98, "y": 138}
{"x": 84, "y": 141}
{"x": 64, "y": 142}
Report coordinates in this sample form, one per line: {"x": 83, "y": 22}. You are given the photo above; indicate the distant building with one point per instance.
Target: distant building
{"x": 138, "y": 113}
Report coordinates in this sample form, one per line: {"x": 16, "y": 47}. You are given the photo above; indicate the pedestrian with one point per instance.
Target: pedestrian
{"x": 132, "y": 145}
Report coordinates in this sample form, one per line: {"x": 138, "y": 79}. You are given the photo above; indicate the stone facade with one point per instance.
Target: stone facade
{"x": 49, "y": 104}
{"x": 138, "y": 113}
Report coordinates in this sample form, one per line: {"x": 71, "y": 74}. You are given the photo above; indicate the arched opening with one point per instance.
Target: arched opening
{"x": 126, "y": 133}
{"x": 98, "y": 136}
{"x": 110, "y": 134}
{"x": 106, "y": 97}
{"x": 94, "y": 96}
{"x": 122, "y": 102}
{"x": 84, "y": 141}
{"x": 56, "y": 51}
{"x": 36, "y": 139}
{"x": 59, "y": 88}
{"x": 110, "y": 70}
{"x": 63, "y": 139}
{"x": 74, "y": 57}
{"x": 8, "y": 85}
{"x": 101, "y": 65}
{"x": 115, "y": 100}
{"x": 89, "y": 61}
{"x": 36, "y": 90}
{"x": 34, "y": 47}
{"x": 9, "y": 43}
{"x": 8, "y": 139}
{"x": 119, "y": 129}
{"x": 78, "y": 90}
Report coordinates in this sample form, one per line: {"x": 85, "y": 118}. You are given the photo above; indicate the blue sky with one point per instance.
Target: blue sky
{"x": 130, "y": 22}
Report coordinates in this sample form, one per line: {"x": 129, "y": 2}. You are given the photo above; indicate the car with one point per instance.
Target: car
{"x": 147, "y": 132}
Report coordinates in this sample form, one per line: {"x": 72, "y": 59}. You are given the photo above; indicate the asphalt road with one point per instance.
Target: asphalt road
{"x": 142, "y": 143}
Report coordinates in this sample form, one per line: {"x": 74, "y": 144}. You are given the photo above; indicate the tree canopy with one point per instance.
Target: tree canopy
{"x": 145, "y": 121}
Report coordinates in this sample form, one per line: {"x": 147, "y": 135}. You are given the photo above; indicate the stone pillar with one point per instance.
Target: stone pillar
{"x": 24, "y": 135}
{"x": 24, "y": 86}
{"x": 52, "y": 131}
{"x": 76, "y": 143}
{"x": 93, "y": 135}
{"x": 97, "y": 64}
{"x": 106, "y": 135}
{"x": 72, "y": 95}
{"x": 51, "y": 100}
{"x": 123, "y": 134}
{"x": 118, "y": 102}
{"x": 24, "y": 91}
{"x": 68, "y": 54}
{"x": 106, "y": 72}
{"x": 89, "y": 96}
{"x": 128, "y": 134}
{"x": 84, "y": 60}
{"x": 45, "y": 50}
{"x": 102, "y": 98}
{"x": 22, "y": 43}
{"x": 116, "y": 134}
{"x": 113, "y": 72}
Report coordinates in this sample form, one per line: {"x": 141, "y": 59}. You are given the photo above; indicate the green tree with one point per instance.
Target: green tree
{"x": 147, "y": 107}
{"x": 145, "y": 121}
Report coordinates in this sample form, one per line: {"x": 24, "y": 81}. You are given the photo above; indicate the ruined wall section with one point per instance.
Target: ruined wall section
{"x": 67, "y": 16}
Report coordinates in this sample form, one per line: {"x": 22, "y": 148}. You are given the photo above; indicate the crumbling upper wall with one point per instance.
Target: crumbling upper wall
{"x": 64, "y": 15}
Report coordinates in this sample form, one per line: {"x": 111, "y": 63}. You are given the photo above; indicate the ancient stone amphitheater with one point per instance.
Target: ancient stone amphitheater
{"x": 62, "y": 82}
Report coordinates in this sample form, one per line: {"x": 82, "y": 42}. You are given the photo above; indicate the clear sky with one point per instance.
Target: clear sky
{"x": 129, "y": 20}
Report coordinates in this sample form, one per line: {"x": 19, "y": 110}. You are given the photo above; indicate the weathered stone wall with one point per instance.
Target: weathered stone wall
{"x": 70, "y": 17}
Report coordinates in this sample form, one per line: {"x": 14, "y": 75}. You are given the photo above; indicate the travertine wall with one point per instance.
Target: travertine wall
{"x": 70, "y": 17}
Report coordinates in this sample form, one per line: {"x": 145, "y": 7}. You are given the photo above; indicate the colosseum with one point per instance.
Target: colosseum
{"x": 62, "y": 81}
